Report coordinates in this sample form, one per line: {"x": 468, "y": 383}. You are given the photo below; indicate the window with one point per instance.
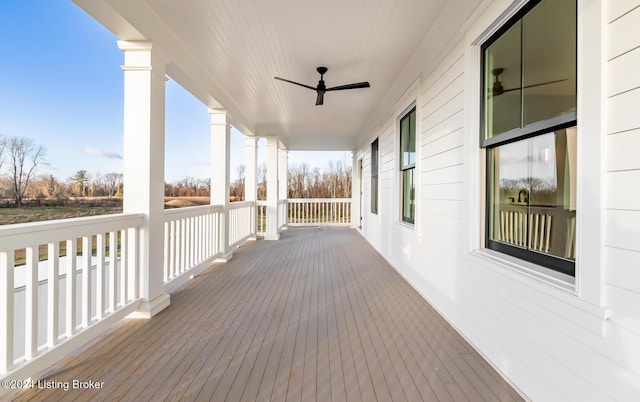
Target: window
{"x": 374, "y": 176}
{"x": 529, "y": 132}
{"x": 408, "y": 164}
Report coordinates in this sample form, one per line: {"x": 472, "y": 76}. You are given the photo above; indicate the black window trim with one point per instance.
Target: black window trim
{"x": 410, "y": 166}
{"x": 374, "y": 206}
{"x": 566, "y": 120}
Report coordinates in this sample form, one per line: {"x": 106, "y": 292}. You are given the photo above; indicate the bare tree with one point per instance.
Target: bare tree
{"x": 3, "y": 147}
{"x": 24, "y": 158}
{"x": 112, "y": 182}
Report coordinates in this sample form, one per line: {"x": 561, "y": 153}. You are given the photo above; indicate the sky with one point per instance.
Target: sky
{"x": 61, "y": 85}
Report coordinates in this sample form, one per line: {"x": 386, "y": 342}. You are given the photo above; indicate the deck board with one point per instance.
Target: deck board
{"x": 318, "y": 315}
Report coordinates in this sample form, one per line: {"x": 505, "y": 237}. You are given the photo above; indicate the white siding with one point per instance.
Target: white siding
{"x": 552, "y": 344}
{"x": 622, "y": 219}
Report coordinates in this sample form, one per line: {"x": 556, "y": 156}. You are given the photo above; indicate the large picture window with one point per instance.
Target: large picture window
{"x": 529, "y": 131}
{"x": 408, "y": 164}
{"x": 374, "y": 176}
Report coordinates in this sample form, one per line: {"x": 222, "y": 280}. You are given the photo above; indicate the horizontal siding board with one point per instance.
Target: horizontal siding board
{"x": 619, "y": 272}
{"x": 625, "y": 308}
{"x": 443, "y": 160}
{"x": 438, "y": 81}
{"x": 622, "y": 229}
{"x": 446, "y": 112}
{"x": 622, "y": 35}
{"x": 617, "y": 8}
{"x": 542, "y": 345}
{"x": 623, "y": 191}
{"x": 443, "y": 224}
{"x": 623, "y": 112}
{"x": 622, "y": 74}
{"x": 440, "y": 242}
{"x": 563, "y": 330}
{"x": 451, "y": 174}
{"x": 448, "y": 191}
{"x": 622, "y": 150}
{"x": 445, "y": 143}
{"x": 444, "y": 104}
{"x": 450, "y": 208}
{"x": 453, "y": 123}
{"x": 531, "y": 330}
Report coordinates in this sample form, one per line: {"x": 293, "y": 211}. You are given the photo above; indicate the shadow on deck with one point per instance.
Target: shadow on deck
{"x": 318, "y": 315}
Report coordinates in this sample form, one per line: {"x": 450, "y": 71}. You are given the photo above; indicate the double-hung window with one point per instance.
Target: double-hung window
{"x": 529, "y": 132}
{"x": 374, "y": 176}
{"x": 408, "y": 165}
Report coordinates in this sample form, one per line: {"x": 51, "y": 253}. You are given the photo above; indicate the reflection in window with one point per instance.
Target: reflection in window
{"x": 529, "y": 131}
{"x": 530, "y": 70}
{"x": 533, "y": 195}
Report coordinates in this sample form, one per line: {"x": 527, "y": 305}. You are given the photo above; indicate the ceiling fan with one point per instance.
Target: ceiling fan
{"x": 322, "y": 88}
{"x": 498, "y": 89}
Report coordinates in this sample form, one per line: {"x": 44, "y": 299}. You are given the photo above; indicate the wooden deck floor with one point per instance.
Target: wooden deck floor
{"x": 318, "y": 315}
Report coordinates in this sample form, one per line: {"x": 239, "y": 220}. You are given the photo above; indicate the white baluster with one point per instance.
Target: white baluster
{"x": 53, "y": 287}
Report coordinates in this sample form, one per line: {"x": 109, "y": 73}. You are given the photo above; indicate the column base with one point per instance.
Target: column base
{"x": 148, "y": 309}
{"x": 225, "y": 257}
{"x": 272, "y": 236}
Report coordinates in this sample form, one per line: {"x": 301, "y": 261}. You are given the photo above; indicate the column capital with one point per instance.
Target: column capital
{"x": 219, "y": 116}
{"x": 140, "y": 56}
{"x": 134, "y": 45}
{"x": 250, "y": 141}
{"x": 272, "y": 142}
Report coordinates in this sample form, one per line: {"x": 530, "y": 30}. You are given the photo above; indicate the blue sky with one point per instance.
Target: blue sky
{"x": 62, "y": 86}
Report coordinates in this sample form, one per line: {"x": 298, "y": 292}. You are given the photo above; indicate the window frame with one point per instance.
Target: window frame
{"x": 537, "y": 128}
{"x": 409, "y": 166}
{"x": 375, "y": 164}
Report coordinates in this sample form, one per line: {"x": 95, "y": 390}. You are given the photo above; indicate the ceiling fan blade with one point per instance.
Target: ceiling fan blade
{"x": 320, "y": 99}
{"x": 350, "y": 86}
{"x": 534, "y": 85}
{"x": 296, "y": 83}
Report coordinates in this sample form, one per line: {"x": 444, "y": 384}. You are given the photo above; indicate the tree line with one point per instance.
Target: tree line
{"x": 303, "y": 182}
{"x": 20, "y": 159}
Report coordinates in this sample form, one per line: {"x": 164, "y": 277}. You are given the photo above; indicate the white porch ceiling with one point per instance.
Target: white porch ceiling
{"x": 226, "y": 52}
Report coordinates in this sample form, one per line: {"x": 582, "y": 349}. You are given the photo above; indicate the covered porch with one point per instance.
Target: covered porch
{"x": 318, "y": 315}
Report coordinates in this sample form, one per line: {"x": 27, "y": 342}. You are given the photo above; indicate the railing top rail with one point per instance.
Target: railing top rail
{"x": 240, "y": 204}
{"x": 16, "y": 236}
{"x": 302, "y": 200}
{"x": 186, "y": 212}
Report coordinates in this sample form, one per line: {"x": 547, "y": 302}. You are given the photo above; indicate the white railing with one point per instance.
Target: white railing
{"x": 51, "y": 295}
{"x": 282, "y": 214}
{"x": 306, "y": 212}
{"x": 319, "y": 211}
{"x": 191, "y": 238}
{"x": 241, "y": 216}
{"x": 261, "y": 217}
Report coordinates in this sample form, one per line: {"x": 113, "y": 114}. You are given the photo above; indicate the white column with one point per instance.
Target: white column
{"x": 220, "y": 167}
{"x": 272, "y": 189}
{"x": 283, "y": 182}
{"x": 144, "y": 89}
{"x": 251, "y": 177}
{"x": 355, "y": 191}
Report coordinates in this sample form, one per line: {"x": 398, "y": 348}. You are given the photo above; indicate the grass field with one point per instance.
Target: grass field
{"x": 35, "y": 214}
